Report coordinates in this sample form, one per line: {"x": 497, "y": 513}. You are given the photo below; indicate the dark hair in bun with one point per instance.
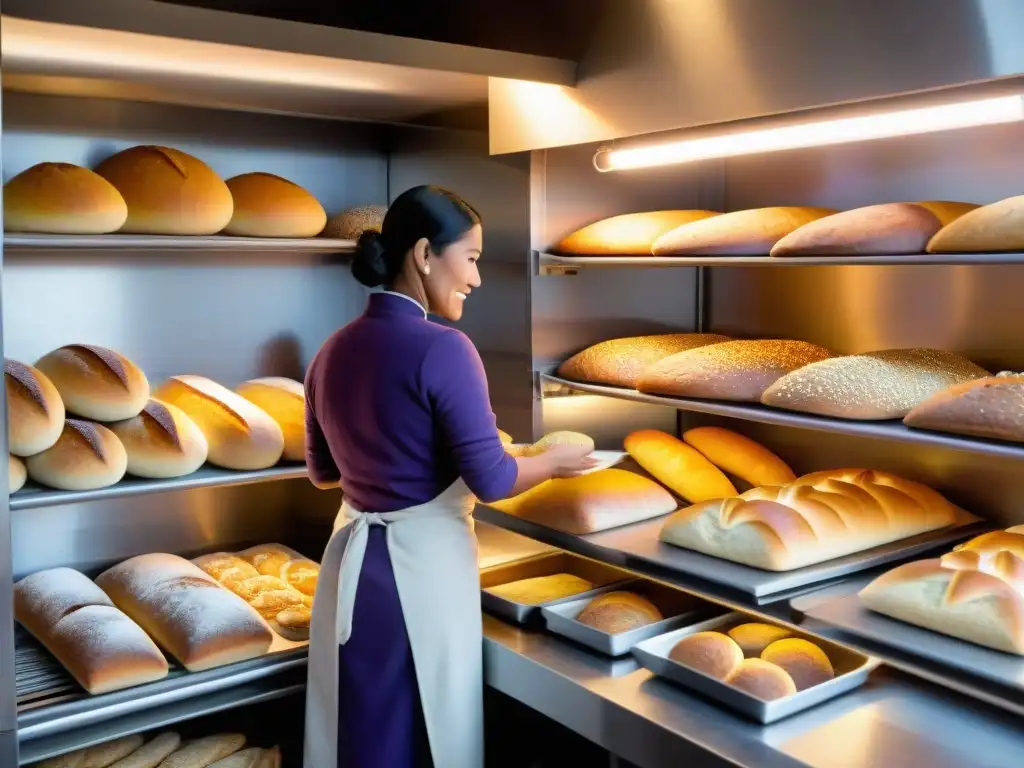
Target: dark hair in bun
{"x": 440, "y": 216}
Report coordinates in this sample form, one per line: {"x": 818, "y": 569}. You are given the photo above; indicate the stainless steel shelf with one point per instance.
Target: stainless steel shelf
{"x": 115, "y": 242}
{"x": 31, "y": 496}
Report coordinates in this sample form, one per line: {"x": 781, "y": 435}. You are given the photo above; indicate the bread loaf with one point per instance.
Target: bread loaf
{"x": 239, "y": 434}
{"x": 63, "y": 199}
{"x": 558, "y": 438}
{"x": 85, "y": 457}
{"x": 741, "y": 233}
{"x": 95, "y": 382}
{"x": 990, "y": 407}
{"x": 152, "y": 753}
{"x": 284, "y": 400}
{"x": 754, "y": 637}
{"x": 271, "y": 758}
{"x": 168, "y": 192}
{"x": 617, "y": 612}
{"x": 873, "y": 386}
{"x": 818, "y": 517}
{"x": 16, "y": 474}
{"x": 189, "y": 614}
{"x": 618, "y": 362}
{"x": 542, "y": 589}
{"x": 630, "y": 234}
{"x": 247, "y": 758}
{"x": 675, "y": 464}
{"x": 995, "y": 227}
{"x": 286, "y": 564}
{"x": 352, "y": 222}
{"x": 106, "y": 754}
{"x": 593, "y": 502}
{"x": 266, "y": 205}
{"x": 739, "y": 456}
{"x": 161, "y": 442}
{"x": 762, "y": 679}
{"x": 946, "y": 211}
{"x": 202, "y": 753}
{"x": 712, "y": 653}
{"x": 102, "y": 648}
{"x": 35, "y": 412}
{"x": 733, "y": 370}
{"x": 805, "y": 663}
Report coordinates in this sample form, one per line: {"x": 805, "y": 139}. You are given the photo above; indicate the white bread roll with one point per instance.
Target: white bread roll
{"x": 995, "y": 227}
{"x": 204, "y": 752}
{"x": 871, "y": 387}
{"x": 85, "y": 457}
{"x": 100, "y": 646}
{"x": 168, "y": 192}
{"x": 630, "y": 234}
{"x": 266, "y": 205}
{"x": 990, "y": 407}
{"x": 284, "y": 400}
{"x": 152, "y": 753}
{"x": 16, "y": 474}
{"x": 239, "y": 434}
{"x": 35, "y": 411}
{"x": 818, "y": 517}
{"x": 162, "y": 441}
{"x": 62, "y": 199}
{"x": 95, "y": 382}
{"x": 741, "y": 233}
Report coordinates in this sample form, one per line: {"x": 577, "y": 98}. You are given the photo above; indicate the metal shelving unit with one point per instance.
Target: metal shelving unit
{"x": 220, "y": 243}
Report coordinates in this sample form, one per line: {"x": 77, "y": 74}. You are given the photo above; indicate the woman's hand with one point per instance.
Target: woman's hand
{"x": 569, "y": 460}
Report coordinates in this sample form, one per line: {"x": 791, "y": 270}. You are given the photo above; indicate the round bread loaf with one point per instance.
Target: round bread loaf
{"x": 616, "y": 612}
{"x": 168, "y": 192}
{"x": 266, "y": 205}
{"x": 352, "y": 222}
{"x": 62, "y": 199}
{"x": 16, "y": 474}
{"x": 630, "y": 234}
{"x": 762, "y": 679}
{"x": 558, "y": 438}
{"x": 96, "y": 382}
{"x": 162, "y": 441}
{"x": 87, "y": 456}
{"x": 35, "y": 411}
{"x": 803, "y": 661}
{"x": 754, "y": 637}
{"x": 285, "y": 401}
{"x": 712, "y": 653}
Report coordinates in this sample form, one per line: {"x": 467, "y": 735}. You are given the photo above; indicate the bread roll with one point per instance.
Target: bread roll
{"x": 741, "y": 233}
{"x": 995, "y": 227}
{"x": 754, "y": 637}
{"x": 285, "y": 564}
{"x": 168, "y": 192}
{"x": 16, "y": 474}
{"x": 189, "y": 614}
{"x": 873, "y": 386}
{"x": 712, "y": 653}
{"x": 762, "y": 679}
{"x": 593, "y": 502}
{"x": 678, "y": 466}
{"x": 733, "y": 370}
{"x": 352, "y": 222}
{"x": 100, "y": 646}
{"x": 990, "y": 407}
{"x": 616, "y": 612}
{"x": 558, "y": 438}
{"x": 152, "y": 753}
{"x": 239, "y": 434}
{"x": 805, "y": 663}
{"x": 619, "y": 362}
{"x": 161, "y": 442}
{"x": 542, "y": 589}
{"x": 630, "y": 234}
{"x": 62, "y": 199}
{"x": 202, "y": 753}
{"x": 35, "y": 411}
{"x": 95, "y": 382}
{"x": 247, "y": 758}
{"x": 739, "y": 456}
{"x": 87, "y": 456}
{"x": 818, "y": 517}
{"x": 226, "y": 568}
{"x": 266, "y": 205}
{"x": 284, "y": 400}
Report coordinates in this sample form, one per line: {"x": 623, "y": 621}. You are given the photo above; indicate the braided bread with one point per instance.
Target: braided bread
{"x": 817, "y": 517}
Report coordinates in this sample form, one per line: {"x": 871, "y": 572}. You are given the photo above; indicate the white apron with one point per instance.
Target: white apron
{"x": 434, "y": 558}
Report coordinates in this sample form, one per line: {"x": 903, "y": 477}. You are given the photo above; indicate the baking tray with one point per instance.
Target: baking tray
{"x": 545, "y": 565}
{"x": 679, "y": 608}
{"x": 852, "y": 669}
{"x": 497, "y": 546}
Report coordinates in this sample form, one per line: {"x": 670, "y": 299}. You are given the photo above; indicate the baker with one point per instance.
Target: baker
{"x": 398, "y": 414}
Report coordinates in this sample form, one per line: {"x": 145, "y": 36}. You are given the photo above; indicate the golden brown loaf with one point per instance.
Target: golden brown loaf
{"x": 62, "y": 199}
{"x": 35, "y": 411}
{"x": 593, "y": 502}
{"x": 542, "y": 589}
{"x": 202, "y": 753}
{"x": 873, "y": 386}
{"x": 818, "y": 517}
{"x": 995, "y": 227}
{"x": 284, "y": 400}
{"x": 992, "y": 407}
{"x": 630, "y": 234}
{"x": 161, "y": 442}
{"x": 733, "y": 370}
{"x": 239, "y": 434}
{"x": 352, "y": 222}
{"x": 152, "y": 753}
{"x": 558, "y": 438}
{"x": 618, "y": 362}
{"x": 189, "y": 614}
{"x": 85, "y": 457}
{"x": 95, "y": 382}
{"x": 754, "y": 637}
{"x": 741, "y": 233}
{"x": 616, "y": 612}
{"x": 762, "y": 679}
{"x": 284, "y": 563}
{"x": 16, "y": 474}
{"x": 266, "y": 205}
{"x": 100, "y": 646}
{"x": 712, "y": 653}
{"x": 168, "y": 192}
{"x": 739, "y": 456}
{"x": 802, "y": 660}
{"x": 676, "y": 465}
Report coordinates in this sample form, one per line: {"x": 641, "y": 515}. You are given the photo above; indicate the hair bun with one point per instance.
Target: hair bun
{"x": 369, "y": 266}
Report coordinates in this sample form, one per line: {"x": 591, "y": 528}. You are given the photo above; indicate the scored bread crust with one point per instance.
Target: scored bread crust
{"x": 619, "y": 362}
{"x": 990, "y": 407}
{"x": 162, "y": 441}
{"x": 86, "y": 456}
{"x": 630, "y": 234}
{"x": 96, "y": 382}
{"x": 35, "y": 410}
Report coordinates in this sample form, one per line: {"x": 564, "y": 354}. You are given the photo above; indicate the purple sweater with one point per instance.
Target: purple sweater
{"x": 397, "y": 409}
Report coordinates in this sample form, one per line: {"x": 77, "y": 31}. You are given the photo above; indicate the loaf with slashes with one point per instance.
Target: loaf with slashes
{"x": 818, "y": 517}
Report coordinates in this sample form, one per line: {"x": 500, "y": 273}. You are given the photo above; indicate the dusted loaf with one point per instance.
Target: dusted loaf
{"x": 161, "y": 442}
{"x": 678, "y": 466}
{"x": 284, "y": 400}
{"x": 86, "y": 456}
{"x": 266, "y": 205}
{"x": 96, "y": 382}
{"x": 16, "y": 474}
{"x": 742, "y": 233}
{"x": 996, "y": 227}
{"x": 352, "y": 222}
{"x": 630, "y": 234}
{"x": 63, "y": 199}
{"x": 35, "y": 411}
{"x": 739, "y": 456}
{"x": 992, "y": 407}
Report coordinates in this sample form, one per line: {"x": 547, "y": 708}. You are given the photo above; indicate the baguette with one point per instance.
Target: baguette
{"x": 995, "y": 227}
{"x": 202, "y": 753}
{"x": 161, "y": 442}
{"x": 739, "y": 456}
{"x": 618, "y": 362}
{"x": 630, "y": 234}
{"x": 678, "y": 466}
{"x": 35, "y": 412}
{"x": 152, "y": 753}
{"x": 95, "y": 382}
{"x": 284, "y": 400}
{"x": 991, "y": 407}
{"x": 741, "y": 233}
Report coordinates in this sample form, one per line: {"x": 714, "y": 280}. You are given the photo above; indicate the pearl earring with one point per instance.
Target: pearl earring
{"x": 426, "y": 270}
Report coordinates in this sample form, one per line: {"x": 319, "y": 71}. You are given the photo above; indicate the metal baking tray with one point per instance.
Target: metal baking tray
{"x": 497, "y": 546}
{"x": 679, "y": 609}
{"x": 599, "y": 574}
{"x": 851, "y": 668}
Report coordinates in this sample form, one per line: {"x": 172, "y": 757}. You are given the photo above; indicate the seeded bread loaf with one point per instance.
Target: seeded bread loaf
{"x": 618, "y": 362}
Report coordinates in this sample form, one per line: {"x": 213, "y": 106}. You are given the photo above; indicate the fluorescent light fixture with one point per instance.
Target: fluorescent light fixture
{"x": 905, "y": 122}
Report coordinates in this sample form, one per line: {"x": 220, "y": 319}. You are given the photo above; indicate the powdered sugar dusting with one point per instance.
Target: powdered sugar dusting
{"x": 99, "y": 632}
{"x": 52, "y": 594}
{"x": 27, "y": 378}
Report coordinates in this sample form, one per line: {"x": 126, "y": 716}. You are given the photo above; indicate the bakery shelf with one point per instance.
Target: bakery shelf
{"x": 22, "y": 242}
{"x": 31, "y": 497}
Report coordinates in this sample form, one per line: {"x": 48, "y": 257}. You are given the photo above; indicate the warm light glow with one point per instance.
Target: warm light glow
{"x": 816, "y": 134}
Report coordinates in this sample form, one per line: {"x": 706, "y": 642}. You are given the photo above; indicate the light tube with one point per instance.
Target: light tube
{"x": 905, "y": 122}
